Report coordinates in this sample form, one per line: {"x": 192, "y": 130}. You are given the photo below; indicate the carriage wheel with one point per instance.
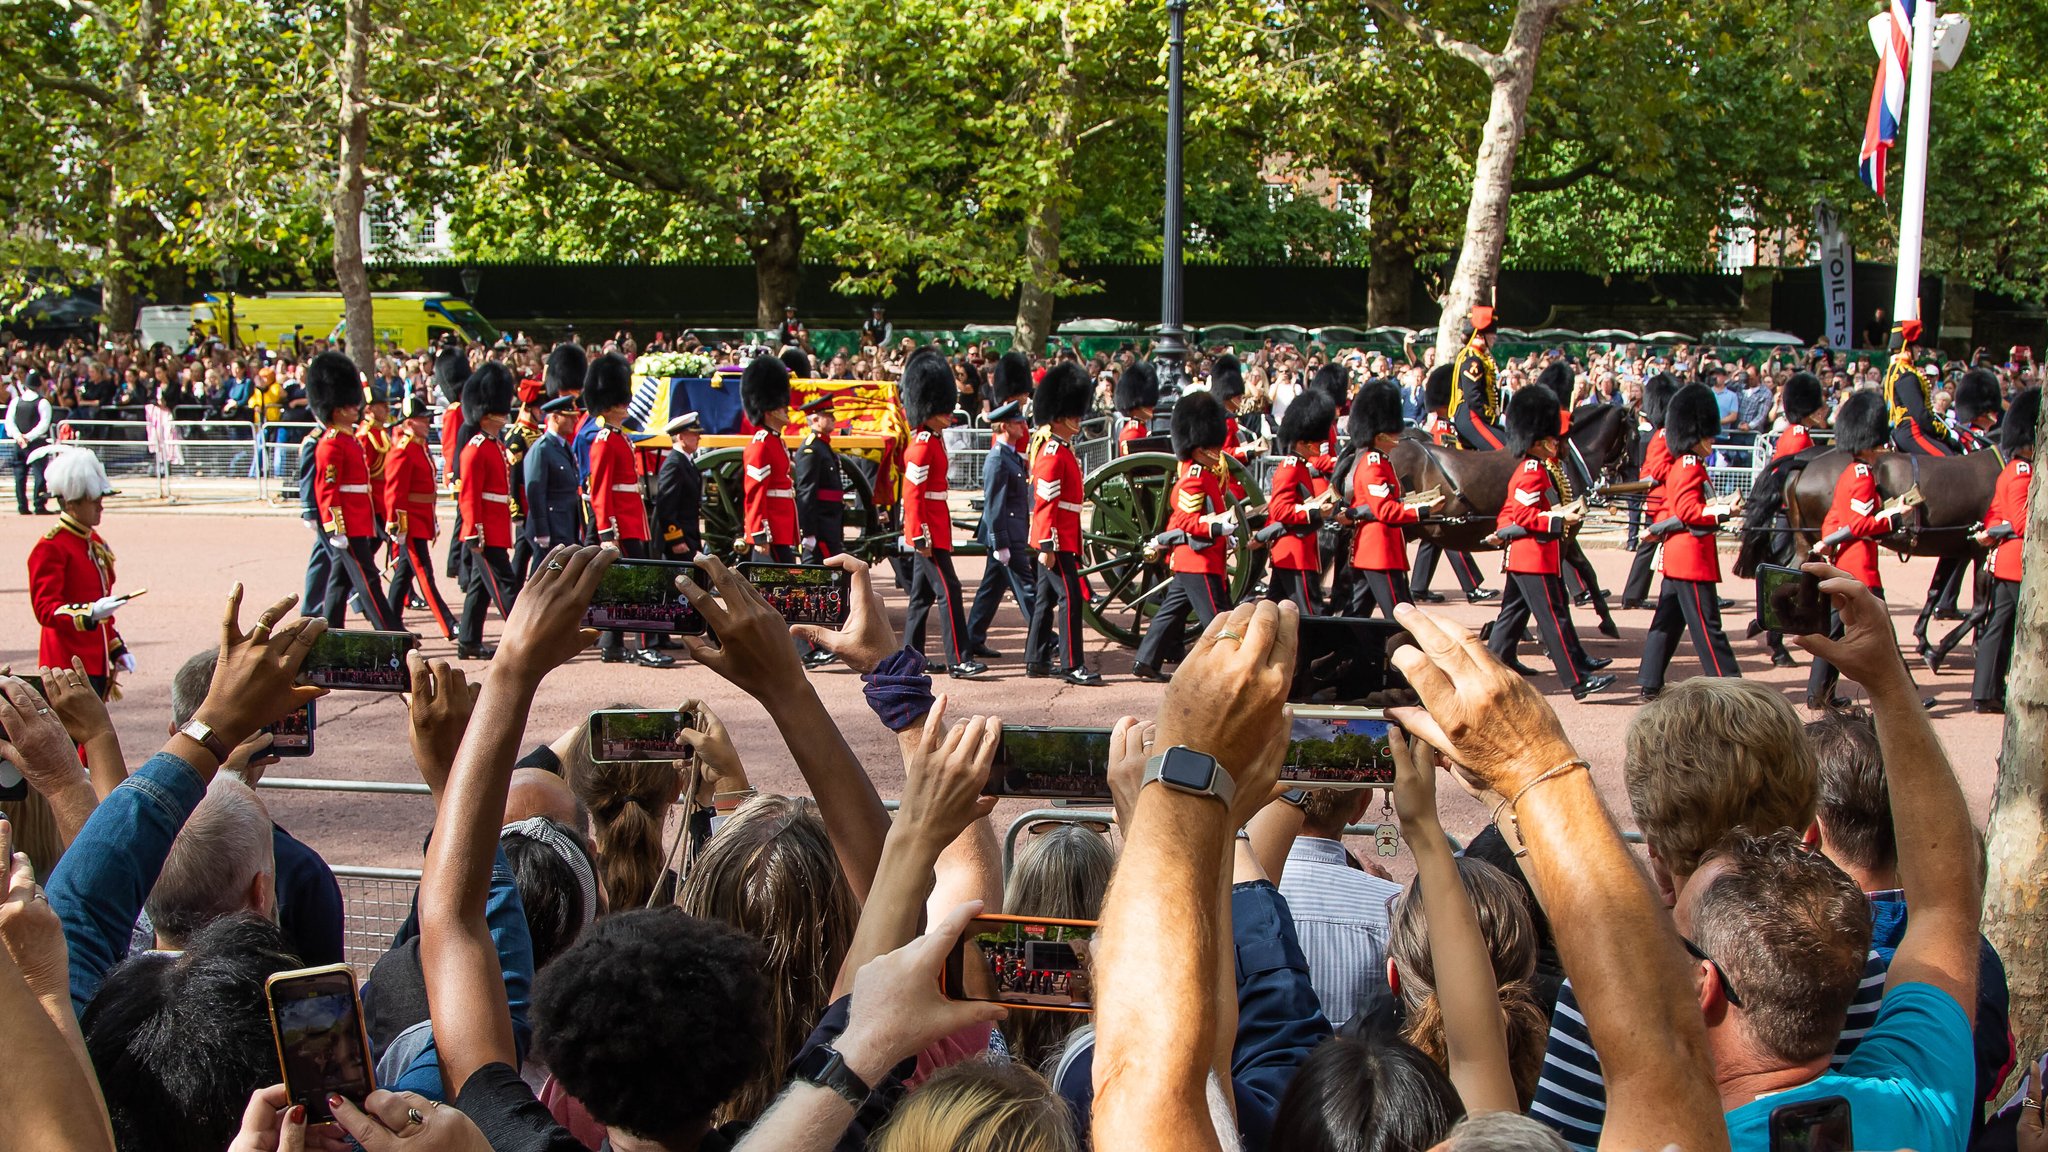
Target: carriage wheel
{"x": 724, "y": 512}
{"x": 1129, "y": 496}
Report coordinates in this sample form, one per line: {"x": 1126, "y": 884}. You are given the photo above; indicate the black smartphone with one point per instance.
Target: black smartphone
{"x": 804, "y": 593}
{"x": 364, "y": 661}
{"x": 1029, "y": 962}
{"x": 1345, "y": 660}
{"x": 293, "y": 735}
{"x": 1813, "y": 1126}
{"x": 641, "y": 596}
{"x": 620, "y": 735}
{"x": 1790, "y": 601}
{"x": 1048, "y": 762}
{"x": 317, "y": 1020}
{"x": 1338, "y": 748}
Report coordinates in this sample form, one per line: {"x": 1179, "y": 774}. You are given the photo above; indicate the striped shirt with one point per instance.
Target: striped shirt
{"x": 1572, "y": 1098}
{"x": 1340, "y": 917}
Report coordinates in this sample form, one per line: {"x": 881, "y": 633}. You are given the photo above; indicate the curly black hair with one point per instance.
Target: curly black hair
{"x": 652, "y": 1018}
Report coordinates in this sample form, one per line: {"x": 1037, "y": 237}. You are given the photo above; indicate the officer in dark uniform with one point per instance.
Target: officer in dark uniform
{"x": 1475, "y": 388}
{"x": 820, "y": 486}
{"x": 554, "y": 503}
{"x": 876, "y": 330}
{"x": 320, "y": 564}
{"x": 679, "y": 492}
{"x": 1005, "y": 530}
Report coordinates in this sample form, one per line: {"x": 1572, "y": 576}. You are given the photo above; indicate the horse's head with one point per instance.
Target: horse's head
{"x": 1605, "y": 435}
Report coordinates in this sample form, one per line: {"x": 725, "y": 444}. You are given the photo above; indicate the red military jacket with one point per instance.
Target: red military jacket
{"x": 1791, "y": 441}
{"x": 1687, "y": 492}
{"x": 451, "y": 452}
{"x": 770, "y": 493}
{"x": 409, "y": 490}
{"x": 2009, "y": 507}
{"x": 1378, "y": 545}
{"x": 927, "y": 521}
{"x": 616, "y": 506}
{"x": 376, "y": 452}
{"x": 1296, "y": 481}
{"x": 341, "y": 487}
{"x": 1198, "y": 493}
{"x": 1856, "y": 502}
{"x": 1656, "y": 465}
{"x": 1056, "y": 497}
{"x": 486, "y": 499}
{"x": 1235, "y": 448}
{"x": 68, "y": 569}
{"x": 1131, "y": 430}
{"x": 1529, "y": 495}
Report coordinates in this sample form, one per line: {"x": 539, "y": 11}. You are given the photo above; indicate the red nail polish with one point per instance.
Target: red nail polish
{"x": 333, "y": 1101}
{"x": 296, "y": 1114}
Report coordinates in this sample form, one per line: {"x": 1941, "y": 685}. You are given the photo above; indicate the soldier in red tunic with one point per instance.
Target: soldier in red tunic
{"x": 71, "y": 573}
{"x": 768, "y": 489}
{"x": 451, "y": 371}
{"x": 617, "y": 508}
{"x": 1137, "y": 397}
{"x": 1379, "y": 549}
{"x": 486, "y": 502}
{"x": 1058, "y": 406}
{"x": 409, "y": 494}
{"x": 1300, "y": 502}
{"x": 928, "y": 394}
{"x": 1855, "y": 521}
{"x": 1805, "y": 406}
{"x": 341, "y": 491}
{"x": 1656, "y": 463}
{"x": 2005, "y": 533}
{"x": 1198, "y": 530}
{"x": 1690, "y": 597}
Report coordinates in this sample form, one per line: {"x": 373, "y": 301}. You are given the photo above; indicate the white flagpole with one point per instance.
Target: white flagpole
{"x": 1913, "y": 201}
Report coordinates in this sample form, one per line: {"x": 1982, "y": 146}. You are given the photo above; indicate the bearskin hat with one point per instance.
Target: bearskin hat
{"x": 927, "y": 387}
{"x": 451, "y": 368}
{"x": 488, "y": 391}
{"x": 1657, "y": 393}
{"x": 1533, "y": 415}
{"x": 332, "y": 381}
{"x": 608, "y": 383}
{"x": 1011, "y": 379}
{"x": 1692, "y": 416}
{"x": 1226, "y": 378}
{"x": 1863, "y": 422}
{"x": 1436, "y": 387}
{"x": 764, "y": 387}
{"x": 77, "y": 474}
{"x": 798, "y": 362}
{"x": 1334, "y": 381}
{"x": 1137, "y": 388}
{"x": 1802, "y": 396}
{"x": 1977, "y": 393}
{"x": 567, "y": 365}
{"x": 1198, "y": 423}
{"x": 1375, "y": 412}
{"x": 1062, "y": 394}
{"x": 1559, "y": 378}
{"x": 2016, "y": 433}
{"x": 1309, "y": 418}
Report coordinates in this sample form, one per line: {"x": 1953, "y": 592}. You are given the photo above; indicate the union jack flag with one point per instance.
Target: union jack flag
{"x": 1887, "y": 95}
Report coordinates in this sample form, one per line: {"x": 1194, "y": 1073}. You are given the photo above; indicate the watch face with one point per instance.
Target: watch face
{"x": 1186, "y": 768}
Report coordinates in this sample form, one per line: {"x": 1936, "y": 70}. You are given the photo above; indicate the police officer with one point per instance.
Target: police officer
{"x": 553, "y": 502}
{"x": 1005, "y": 530}
{"x": 679, "y": 491}
{"x": 29, "y": 425}
{"x": 1475, "y": 388}
{"x": 820, "y": 485}
{"x": 1914, "y": 425}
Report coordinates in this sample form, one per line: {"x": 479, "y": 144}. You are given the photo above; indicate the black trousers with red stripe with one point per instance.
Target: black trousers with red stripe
{"x": 1462, "y": 566}
{"x": 1382, "y": 589}
{"x": 416, "y": 565}
{"x": 1539, "y": 595}
{"x": 355, "y": 570}
{"x": 1477, "y": 435}
{"x": 611, "y": 639}
{"x": 490, "y": 583}
{"x": 932, "y": 581}
{"x": 1056, "y": 608}
{"x": 1641, "y": 568}
{"x": 1994, "y": 644}
{"x": 1691, "y": 606}
{"x": 1203, "y": 594}
{"x": 1296, "y": 584}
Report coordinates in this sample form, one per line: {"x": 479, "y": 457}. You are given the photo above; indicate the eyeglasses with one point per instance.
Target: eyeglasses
{"x": 1698, "y": 953}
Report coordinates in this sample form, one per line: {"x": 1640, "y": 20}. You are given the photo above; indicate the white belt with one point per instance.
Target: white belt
{"x": 496, "y": 498}
{"x": 934, "y": 498}
{"x": 359, "y": 489}
{"x": 1066, "y": 507}
{"x": 783, "y": 493}
{"x": 625, "y": 487}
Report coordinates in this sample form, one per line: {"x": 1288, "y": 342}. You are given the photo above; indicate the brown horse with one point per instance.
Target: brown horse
{"x": 1477, "y": 482}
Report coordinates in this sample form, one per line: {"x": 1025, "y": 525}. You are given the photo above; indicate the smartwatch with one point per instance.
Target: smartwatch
{"x": 1186, "y": 770}
{"x": 1297, "y": 797}
{"x": 825, "y": 1068}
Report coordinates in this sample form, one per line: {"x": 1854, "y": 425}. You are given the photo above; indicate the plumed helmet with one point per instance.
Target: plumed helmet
{"x": 1375, "y": 411}
{"x": 1309, "y": 418}
{"x": 1692, "y": 416}
{"x": 798, "y": 362}
{"x": 1532, "y": 415}
{"x": 927, "y": 386}
{"x": 1334, "y": 381}
{"x": 1657, "y": 393}
{"x": 608, "y": 383}
{"x": 2016, "y": 433}
{"x": 1062, "y": 394}
{"x": 764, "y": 387}
{"x": 1802, "y": 396}
{"x": 567, "y": 365}
{"x": 1557, "y": 376}
{"x": 1226, "y": 378}
{"x": 1482, "y": 319}
{"x": 332, "y": 381}
{"x": 1436, "y": 387}
{"x": 451, "y": 368}
{"x": 1197, "y": 423}
{"x": 1137, "y": 388}
{"x": 1862, "y": 422}
{"x": 1012, "y": 378}
{"x": 1977, "y": 393}
{"x": 73, "y": 473}
{"x": 488, "y": 391}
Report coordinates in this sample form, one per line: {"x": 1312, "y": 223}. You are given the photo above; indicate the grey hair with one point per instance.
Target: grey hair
{"x": 1502, "y": 1132}
{"x": 223, "y": 846}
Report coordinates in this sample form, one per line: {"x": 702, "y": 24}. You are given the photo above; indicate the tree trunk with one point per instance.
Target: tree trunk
{"x": 1035, "y": 295}
{"x": 125, "y": 222}
{"x": 2015, "y": 898}
{"x": 777, "y": 245}
{"x": 360, "y": 340}
{"x": 1390, "y": 275}
{"x": 1513, "y": 74}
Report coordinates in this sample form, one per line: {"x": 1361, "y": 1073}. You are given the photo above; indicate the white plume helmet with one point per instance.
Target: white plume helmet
{"x": 73, "y": 473}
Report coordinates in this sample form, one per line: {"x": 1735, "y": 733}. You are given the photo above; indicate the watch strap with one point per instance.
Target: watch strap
{"x": 202, "y": 732}
{"x": 1220, "y": 786}
{"x": 824, "y": 1067}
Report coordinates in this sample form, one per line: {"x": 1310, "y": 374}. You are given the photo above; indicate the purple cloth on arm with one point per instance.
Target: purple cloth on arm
{"x": 899, "y": 691}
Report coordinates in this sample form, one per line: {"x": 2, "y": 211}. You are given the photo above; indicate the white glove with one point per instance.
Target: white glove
{"x": 125, "y": 663}
{"x": 1226, "y": 522}
{"x": 808, "y": 543}
{"x": 543, "y": 542}
{"x": 104, "y": 607}
{"x": 1002, "y": 555}
{"x": 337, "y": 540}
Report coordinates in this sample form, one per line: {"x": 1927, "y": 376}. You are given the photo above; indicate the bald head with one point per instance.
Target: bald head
{"x": 536, "y": 792}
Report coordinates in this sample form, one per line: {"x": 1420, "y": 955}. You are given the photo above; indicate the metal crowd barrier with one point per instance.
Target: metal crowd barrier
{"x": 206, "y": 449}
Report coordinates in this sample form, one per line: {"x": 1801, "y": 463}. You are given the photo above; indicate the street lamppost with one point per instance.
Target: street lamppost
{"x": 471, "y": 277}
{"x": 1171, "y": 352}
{"x": 230, "y": 275}
{"x": 1937, "y": 45}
